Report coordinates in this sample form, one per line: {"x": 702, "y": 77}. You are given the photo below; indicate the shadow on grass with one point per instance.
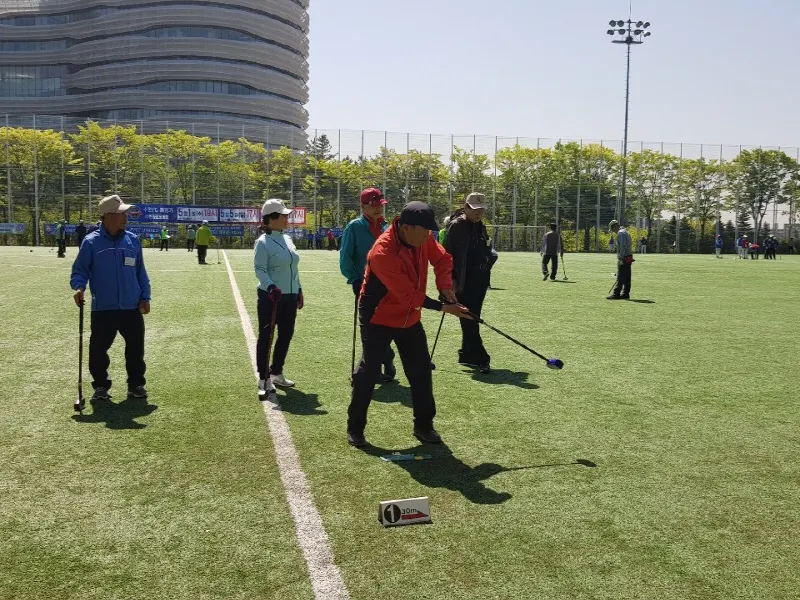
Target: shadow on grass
{"x": 446, "y": 471}
{"x": 298, "y": 403}
{"x": 563, "y": 281}
{"x": 496, "y": 289}
{"x": 118, "y": 416}
{"x": 392, "y": 392}
{"x": 642, "y": 301}
{"x": 505, "y": 377}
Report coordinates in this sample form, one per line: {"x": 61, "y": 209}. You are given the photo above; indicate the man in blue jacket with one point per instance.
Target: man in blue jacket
{"x": 110, "y": 262}
{"x": 357, "y": 240}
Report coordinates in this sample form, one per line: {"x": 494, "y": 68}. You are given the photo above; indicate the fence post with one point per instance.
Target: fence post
{"x": 291, "y": 168}
{"x": 316, "y": 216}
{"x": 218, "y": 158}
{"x": 116, "y": 167}
{"x": 244, "y": 163}
{"x": 194, "y": 183}
{"x": 385, "y": 152}
{"x": 494, "y": 191}
{"x": 430, "y": 160}
{"x": 339, "y": 179}
{"x": 63, "y": 195}
{"x": 450, "y": 183}
{"x": 678, "y": 207}
{"x": 660, "y": 202}
{"x": 36, "y": 179}
{"x": 89, "y": 163}
{"x": 141, "y": 158}
{"x": 8, "y": 176}
{"x": 169, "y": 182}
{"x": 578, "y": 201}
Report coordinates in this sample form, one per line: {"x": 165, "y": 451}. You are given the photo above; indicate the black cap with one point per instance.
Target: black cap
{"x": 418, "y": 213}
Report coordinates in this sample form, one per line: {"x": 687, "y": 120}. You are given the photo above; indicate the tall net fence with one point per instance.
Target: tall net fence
{"x": 677, "y": 197}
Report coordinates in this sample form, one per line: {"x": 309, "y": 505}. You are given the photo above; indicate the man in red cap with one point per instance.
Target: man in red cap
{"x": 357, "y": 240}
{"x": 392, "y": 298}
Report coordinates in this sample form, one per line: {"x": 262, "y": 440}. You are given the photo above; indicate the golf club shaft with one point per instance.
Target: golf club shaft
{"x": 355, "y": 328}
{"x": 80, "y": 352}
{"x": 508, "y": 337}
{"x": 436, "y": 339}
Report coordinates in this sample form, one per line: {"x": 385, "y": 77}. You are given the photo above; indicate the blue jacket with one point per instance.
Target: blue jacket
{"x": 718, "y": 243}
{"x": 276, "y": 261}
{"x": 357, "y": 241}
{"x": 114, "y": 270}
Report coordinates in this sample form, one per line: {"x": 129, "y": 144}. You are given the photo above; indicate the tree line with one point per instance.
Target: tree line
{"x": 577, "y": 184}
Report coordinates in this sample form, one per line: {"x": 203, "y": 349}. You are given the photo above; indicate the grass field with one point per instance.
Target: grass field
{"x": 687, "y": 404}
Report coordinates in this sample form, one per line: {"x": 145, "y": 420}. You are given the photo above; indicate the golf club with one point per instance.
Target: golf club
{"x": 613, "y": 286}
{"x": 80, "y": 403}
{"x": 218, "y": 252}
{"x": 564, "y": 268}
{"x": 436, "y": 341}
{"x": 269, "y": 345}
{"x": 552, "y": 363}
{"x": 355, "y": 328}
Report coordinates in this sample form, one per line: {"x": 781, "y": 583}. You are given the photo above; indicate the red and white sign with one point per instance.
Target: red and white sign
{"x": 298, "y": 216}
{"x": 410, "y": 511}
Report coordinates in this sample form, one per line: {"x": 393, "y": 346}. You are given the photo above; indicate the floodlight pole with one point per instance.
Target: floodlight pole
{"x": 630, "y": 33}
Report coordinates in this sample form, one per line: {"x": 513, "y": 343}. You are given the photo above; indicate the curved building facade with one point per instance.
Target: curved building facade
{"x": 214, "y": 66}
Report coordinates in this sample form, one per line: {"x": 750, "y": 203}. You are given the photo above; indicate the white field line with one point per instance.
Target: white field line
{"x": 326, "y": 580}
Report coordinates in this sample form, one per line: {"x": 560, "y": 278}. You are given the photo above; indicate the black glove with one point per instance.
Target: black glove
{"x": 357, "y": 286}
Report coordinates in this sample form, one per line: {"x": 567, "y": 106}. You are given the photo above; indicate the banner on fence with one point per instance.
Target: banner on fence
{"x": 12, "y": 228}
{"x": 150, "y": 230}
{"x": 50, "y": 229}
{"x": 227, "y": 230}
{"x": 298, "y": 216}
{"x": 172, "y": 213}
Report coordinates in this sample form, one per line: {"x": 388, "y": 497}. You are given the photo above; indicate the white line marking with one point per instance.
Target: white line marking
{"x": 326, "y": 580}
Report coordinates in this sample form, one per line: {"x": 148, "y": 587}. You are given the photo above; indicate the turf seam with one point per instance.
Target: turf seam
{"x": 326, "y": 579}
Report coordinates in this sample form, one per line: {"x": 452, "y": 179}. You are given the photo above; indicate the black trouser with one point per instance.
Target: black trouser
{"x": 201, "y": 253}
{"x": 165, "y": 244}
{"x": 80, "y": 240}
{"x": 623, "y": 286}
{"x": 388, "y": 358}
{"x": 492, "y": 260}
{"x": 284, "y": 324}
{"x": 105, "y": 325}
{"x": 547, "y": 258}
{"x": 310, "y": 245}
{"x": 413, "y": 348}
{"x": 189, "y": 245}
{"x": 472, "y": 350}
{"x": 62, "y": 247}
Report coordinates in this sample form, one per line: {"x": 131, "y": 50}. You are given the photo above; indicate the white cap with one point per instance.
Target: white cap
{"x": 205, "y": 222}
{"x": 476, "y": 200}
{"x": 275, "y": 206}
{"x": 112, "y": 204}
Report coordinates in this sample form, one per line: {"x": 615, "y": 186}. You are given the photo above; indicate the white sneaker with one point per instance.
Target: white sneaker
{"x": 281, "y": 381}
{"x": 265, "y": 387}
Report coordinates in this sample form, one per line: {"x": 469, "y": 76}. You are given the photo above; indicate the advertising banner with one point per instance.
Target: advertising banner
{"x": 298, "y": 217}
{"x": 227, "y": 230}
{"x": 12, "y": 228}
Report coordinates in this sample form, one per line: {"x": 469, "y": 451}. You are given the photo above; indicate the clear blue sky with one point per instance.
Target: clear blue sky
{"x": 714, "y": 71}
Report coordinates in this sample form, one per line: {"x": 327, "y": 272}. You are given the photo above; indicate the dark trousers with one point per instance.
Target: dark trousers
{"x": 189, "y": 245}
{"x": 284, "y": 324}
{"x": 80, "y": 240}
{"x": 201, "y": 253}
{"x": 62, "y": 247}
{"x": 623, "y": 286}
{"x": 310, "y": 244}
{"x": 492, "y": 260}
{"x": 388, "y": 358}
{"x": 105, "y": 325}
{"x": 546, "y": 259}
{"x": 165, "y": 244}
{"x": 413, "y": 348}
{"x": 472, "y": 350}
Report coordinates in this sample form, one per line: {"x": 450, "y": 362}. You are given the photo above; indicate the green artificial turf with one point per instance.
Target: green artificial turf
{"x": 688, "y": 406}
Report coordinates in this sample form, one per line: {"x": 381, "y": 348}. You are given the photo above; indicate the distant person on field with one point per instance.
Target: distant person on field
{"x": 357, "y": 240}
{"x": 443, "y": 230}
{"x": 718, "y": 246}
{"x": 331, "y": 240}
{"x": 611, "y": 244}
{"x": 204, "y": 238}
{"x": 622, "y": 291}
{"x": 61, "y": 238}
{"x": 191, "y": 236}
{"x": 164, "y": 238}
{"x": 745, "y": 247}
{"x": 552, "y": 247}
{"x": 739, "y": 246}
{"x": 790, "y": 247}
{"x": 643, "y": 245}
{"x": 80, "y": 232}
{"x": 110, "y": 262}
{"x": 310, "y": 240}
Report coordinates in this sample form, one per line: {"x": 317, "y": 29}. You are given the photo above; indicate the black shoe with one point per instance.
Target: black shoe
{"x": 471, "y": 365}
{"x": 138, "y": 392}
{"x": 625, "y": 297}
{"x": 545, "y": 277}
{"x": 356, "y": 439}
{"x": 100, "y": 395}
{"x": 485, "y": 369}
{"x": 427, "y": 436}
{"x": 613, "y": 297}
{"x": 389, "y": 372}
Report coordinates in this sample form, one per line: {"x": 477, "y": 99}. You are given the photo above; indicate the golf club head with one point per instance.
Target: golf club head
{"x": 555, "y": 363}
{"x": 79, "y": 405}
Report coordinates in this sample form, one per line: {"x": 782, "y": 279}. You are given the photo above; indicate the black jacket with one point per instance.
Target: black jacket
{"x": 457, "y": 242}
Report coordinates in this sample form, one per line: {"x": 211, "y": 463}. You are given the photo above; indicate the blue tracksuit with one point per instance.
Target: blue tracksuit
{"x": 357, "y": 241}
{"x": 114, "y": 270}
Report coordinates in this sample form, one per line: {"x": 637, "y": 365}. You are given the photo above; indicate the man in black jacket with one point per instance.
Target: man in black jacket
{"x": 552, "y": 246}
{"x": 469, "y": 244}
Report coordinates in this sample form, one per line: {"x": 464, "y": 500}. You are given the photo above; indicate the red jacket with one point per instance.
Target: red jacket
{"x": 396, "y": 278}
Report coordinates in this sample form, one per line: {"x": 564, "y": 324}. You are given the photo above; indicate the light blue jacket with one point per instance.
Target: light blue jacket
{"x": 114, "y": 270}
{"x": 276, "y": 263}
{"x": 357, "y": 241}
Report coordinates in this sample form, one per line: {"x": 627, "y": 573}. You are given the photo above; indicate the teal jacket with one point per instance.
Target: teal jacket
{"x": 276, "y": 260}
{"x": 357, "y": 241}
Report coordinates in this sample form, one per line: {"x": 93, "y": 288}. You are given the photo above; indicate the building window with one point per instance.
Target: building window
{"x": 16, "y": 82}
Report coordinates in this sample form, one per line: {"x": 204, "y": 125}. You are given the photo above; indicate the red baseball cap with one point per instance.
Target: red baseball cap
{"x": 373, "y": 196}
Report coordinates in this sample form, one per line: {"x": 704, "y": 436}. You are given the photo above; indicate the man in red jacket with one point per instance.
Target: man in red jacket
{"x": 390, "y": 306}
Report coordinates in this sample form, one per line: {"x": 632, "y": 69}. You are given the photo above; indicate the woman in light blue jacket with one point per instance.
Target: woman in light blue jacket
{"x": 276, "y": 261}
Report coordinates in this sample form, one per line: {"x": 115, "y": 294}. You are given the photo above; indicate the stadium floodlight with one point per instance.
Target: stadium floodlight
{"x": 628, "y": 36}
